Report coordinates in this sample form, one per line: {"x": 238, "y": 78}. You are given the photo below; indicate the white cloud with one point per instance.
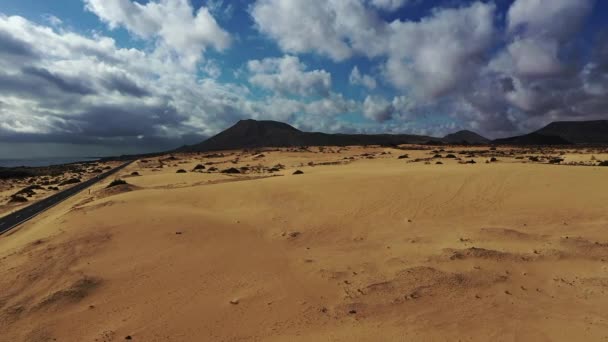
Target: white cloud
{"x": 537, "y": 36}
{"x": 60, "y": 86}
{"x": 172, "y": 21}
{"x": 212, "y": 69}
{"x": 68, "y": 86}
{"x": 220, "y": 8}
{"x": 287, "y": 75}
{"x": 378, "y": 108}
{"x": 450, "y": 64}
{"x": 52, "y": 20}
{"x": 356, "y": 78}
{"x": 549, "y": 18}
{"x": 428, "y": 58}
{"x": 334, "y": 28}
{"x": 334, "y": 104}
{"x": 440, "y": 53}
{"x": 534, "y": 58}
{"x": 389, "y": 5}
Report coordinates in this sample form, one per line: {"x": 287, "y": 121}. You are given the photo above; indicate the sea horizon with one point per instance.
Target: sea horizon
{"x": 43, "y": 161}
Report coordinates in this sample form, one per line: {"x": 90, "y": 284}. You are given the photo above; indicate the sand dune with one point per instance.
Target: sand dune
{"x": 362, "y": 246}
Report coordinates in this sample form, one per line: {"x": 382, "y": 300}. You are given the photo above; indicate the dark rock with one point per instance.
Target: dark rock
{"x": 231, "y": 170}
{"x": 199, "y": 167}
{"x": 17, "y": 199}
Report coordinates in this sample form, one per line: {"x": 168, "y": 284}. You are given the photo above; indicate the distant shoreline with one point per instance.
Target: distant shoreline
{"x": 44, "y": 162}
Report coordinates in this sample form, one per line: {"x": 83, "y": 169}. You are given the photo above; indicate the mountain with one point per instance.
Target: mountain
{"x": 563, "y": 133}
{"x": 255, "y": 134}
{"x": 578, "y": 132}
{"x": 532, "y": 139}
{"x": 465, "y": 137}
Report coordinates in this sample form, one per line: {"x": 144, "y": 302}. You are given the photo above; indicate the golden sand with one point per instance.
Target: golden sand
{"x": 362, "y": 246}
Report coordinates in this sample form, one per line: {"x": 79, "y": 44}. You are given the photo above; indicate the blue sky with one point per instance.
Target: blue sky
{"x": 98, "y": 77}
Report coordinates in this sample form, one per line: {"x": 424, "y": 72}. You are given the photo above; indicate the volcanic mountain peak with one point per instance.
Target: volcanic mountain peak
{"x": 262, "y": 126}
{"x": 578, "y": 131}
{"x": 465, "y": 136}
{"x": 563, "y": 133}
{"x": 255, "y": 134}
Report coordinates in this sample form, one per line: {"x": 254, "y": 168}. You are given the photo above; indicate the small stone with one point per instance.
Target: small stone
{"x": 352, "y": 312}
{"x": 234, "y": 301}
{"x": 128, "y": 337}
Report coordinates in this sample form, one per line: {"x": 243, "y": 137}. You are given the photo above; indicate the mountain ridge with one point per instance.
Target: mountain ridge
{"x": 465, "y": 137}
{"x": 563, "y": 133}
{"x": 249, "y": 133}
{"x": 256, "y": 134}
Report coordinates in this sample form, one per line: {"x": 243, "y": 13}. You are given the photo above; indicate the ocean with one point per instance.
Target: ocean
{"x": 43, "y": 161}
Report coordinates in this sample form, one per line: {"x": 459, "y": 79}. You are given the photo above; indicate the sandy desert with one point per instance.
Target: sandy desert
{"x": 366, "y": 244}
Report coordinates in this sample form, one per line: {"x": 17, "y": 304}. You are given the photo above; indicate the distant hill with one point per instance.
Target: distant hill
{"x": 563, "y": 133}
{"x": 532, "y": 139}
{"x": 255, "y": 134}
{"x": 578, "y": 132}
{"x": 465, "y": 137}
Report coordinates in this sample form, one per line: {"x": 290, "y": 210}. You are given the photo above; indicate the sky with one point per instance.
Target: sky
{"x": 108, "y": 77}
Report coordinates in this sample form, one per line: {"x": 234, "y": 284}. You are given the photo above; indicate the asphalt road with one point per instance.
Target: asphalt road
{"x": 13, "y": 220}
